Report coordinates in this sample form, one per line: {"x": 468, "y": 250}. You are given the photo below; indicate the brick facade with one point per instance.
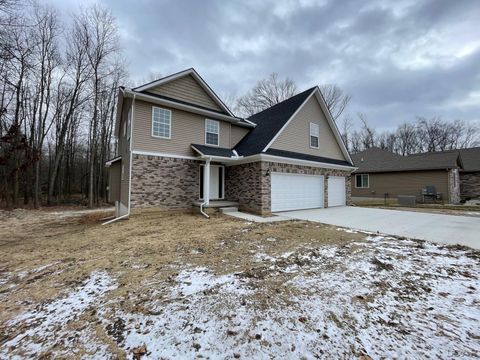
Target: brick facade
{"x": 172, "y": 183}
{"x": 249, "y": 183}
{"x": 164, "y": 182}
{"x": 470, "y": 185}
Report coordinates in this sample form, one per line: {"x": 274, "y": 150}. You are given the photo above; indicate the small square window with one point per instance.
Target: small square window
{"x": 212, "y": 130}
{"x": 362, "y": 181}
{"x": 314, "y": 135}
{"x": 161, "y": 122}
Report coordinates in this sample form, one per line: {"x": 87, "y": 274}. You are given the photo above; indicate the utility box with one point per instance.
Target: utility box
{"x": 407, "y": 200}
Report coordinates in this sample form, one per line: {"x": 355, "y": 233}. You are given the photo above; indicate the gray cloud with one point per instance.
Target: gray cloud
{"x": 396, "y": 59}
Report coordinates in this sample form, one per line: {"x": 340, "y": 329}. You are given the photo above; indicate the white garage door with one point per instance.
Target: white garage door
{"x": 336, "y": 191}
{"x": 296, "y": 191}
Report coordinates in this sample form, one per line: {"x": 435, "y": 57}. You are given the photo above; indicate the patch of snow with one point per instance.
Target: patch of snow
{"x": 264, "y": 257}
{"x": 42, "y": 328}
{"x": 200, "y": 279}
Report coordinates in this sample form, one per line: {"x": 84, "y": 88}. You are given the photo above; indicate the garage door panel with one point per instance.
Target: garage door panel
{"x": 296, "y": 191}
{"x": 336, "y": 191}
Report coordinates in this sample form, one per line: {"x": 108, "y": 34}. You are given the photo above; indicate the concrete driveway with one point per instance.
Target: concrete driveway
{"x": 447, "y": 229}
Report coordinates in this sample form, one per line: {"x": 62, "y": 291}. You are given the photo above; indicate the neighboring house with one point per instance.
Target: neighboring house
{"x": 180, "y": 146}
{"x": 455, "y": 174}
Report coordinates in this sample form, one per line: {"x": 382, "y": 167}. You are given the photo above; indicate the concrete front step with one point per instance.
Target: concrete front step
{"x": 229, "y": 209}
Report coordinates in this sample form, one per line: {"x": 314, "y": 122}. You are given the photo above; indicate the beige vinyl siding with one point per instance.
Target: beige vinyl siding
{"x": 186, "y": 129}
{"x": 403, "y": 183}
{"x": 187, "y": 89}
{"x": 296, "y": 136}
{"x": 237, "y": 134}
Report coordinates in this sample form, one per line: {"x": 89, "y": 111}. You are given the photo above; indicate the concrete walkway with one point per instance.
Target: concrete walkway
{"x": 446, "y": 229}
{"x": 255, "y": 218}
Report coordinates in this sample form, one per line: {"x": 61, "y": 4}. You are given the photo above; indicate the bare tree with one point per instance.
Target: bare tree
{"x": 335, "y": 98}
{"x": 266, "y": 93}
{"x": 407, "y": 141}
{"x": 99, "y": 33}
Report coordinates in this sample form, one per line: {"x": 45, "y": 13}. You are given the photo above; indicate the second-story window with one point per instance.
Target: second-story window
{"x": 212, "y": 131}
{"x": 314, "y": 134}
{"x": 161, "y": 123}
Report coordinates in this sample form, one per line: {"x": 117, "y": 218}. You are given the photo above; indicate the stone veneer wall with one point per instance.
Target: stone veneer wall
{"x": 165, "y": 182}
{"x": 250, "y": 186}
{"x": 454, "y": 186}
{"x": 470, "y": 185}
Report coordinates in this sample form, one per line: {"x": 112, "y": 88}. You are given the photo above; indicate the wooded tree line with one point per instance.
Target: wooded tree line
{"x": 58, "y": 86}
{"x": 420, "y": 135}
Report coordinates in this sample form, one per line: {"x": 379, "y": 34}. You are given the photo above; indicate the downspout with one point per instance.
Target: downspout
{"x": 205, "y": 196}
{"x": 130, "y": 171}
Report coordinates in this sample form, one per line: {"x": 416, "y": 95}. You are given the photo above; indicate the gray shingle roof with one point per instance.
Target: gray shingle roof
{"x": 378, "y": 160}
{"x": 269, "y": 122}
{"x": 213, "y": 150}
{"x": 470, "y": 159}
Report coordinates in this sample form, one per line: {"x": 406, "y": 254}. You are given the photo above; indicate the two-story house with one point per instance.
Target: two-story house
{"x": 180, "y": 146}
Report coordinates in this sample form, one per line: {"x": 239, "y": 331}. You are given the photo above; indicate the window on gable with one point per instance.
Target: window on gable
{"x": 161, "y": 123}
{"x": 212, "y": 131}
{"x": 361, "y": 181}
{"x": 314, "y": 134}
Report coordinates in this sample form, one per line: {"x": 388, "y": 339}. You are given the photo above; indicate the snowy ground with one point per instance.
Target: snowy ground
{"x": 373, "y": 296}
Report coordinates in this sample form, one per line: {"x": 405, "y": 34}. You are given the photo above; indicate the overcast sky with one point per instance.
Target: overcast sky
{"x": 397, "y": 59}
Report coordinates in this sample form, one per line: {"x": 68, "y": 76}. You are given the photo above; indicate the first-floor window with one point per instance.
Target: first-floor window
{"x": 161, "y": 122}
{"x": 361, "y": 181}
{"x": 212, "y": 130}
{"x": 314, "y": 134}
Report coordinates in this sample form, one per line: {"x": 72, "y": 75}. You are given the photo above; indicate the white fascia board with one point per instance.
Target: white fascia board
{"x": 183, "y": 73}
{"x": 189, "y": 108}
{"x": 287, "y": 123}
{"x": 285, "y": 160}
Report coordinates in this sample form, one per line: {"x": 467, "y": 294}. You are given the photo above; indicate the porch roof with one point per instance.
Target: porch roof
{"x": 214, "y": 151}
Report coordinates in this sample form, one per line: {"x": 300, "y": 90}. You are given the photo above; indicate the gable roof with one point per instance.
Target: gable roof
{"x": 379, "y": 160}
{"x": 269, "y": 122}
{"x": 272, "y": 121}
{"x": 180, "y": 74}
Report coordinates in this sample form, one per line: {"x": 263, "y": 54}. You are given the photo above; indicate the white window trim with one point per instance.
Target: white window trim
{"x": 362, "y": 187}
{"x": 222, "y": 169}
{"x": 218, "y": 134}
{"x": 157, "y": 136}
{"x": 317, "y": 136}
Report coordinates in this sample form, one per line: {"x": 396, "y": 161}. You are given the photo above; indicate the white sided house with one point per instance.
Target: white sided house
{"x": 179, "y": 146}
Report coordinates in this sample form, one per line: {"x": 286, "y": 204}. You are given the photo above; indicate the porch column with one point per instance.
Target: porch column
{"x": 206, "y": 182}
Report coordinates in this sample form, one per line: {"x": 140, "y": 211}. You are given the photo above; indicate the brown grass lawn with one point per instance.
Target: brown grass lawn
{"x": 167, "y": 285}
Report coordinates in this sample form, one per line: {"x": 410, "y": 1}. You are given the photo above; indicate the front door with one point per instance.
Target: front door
{"x": 216, "y": 182}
